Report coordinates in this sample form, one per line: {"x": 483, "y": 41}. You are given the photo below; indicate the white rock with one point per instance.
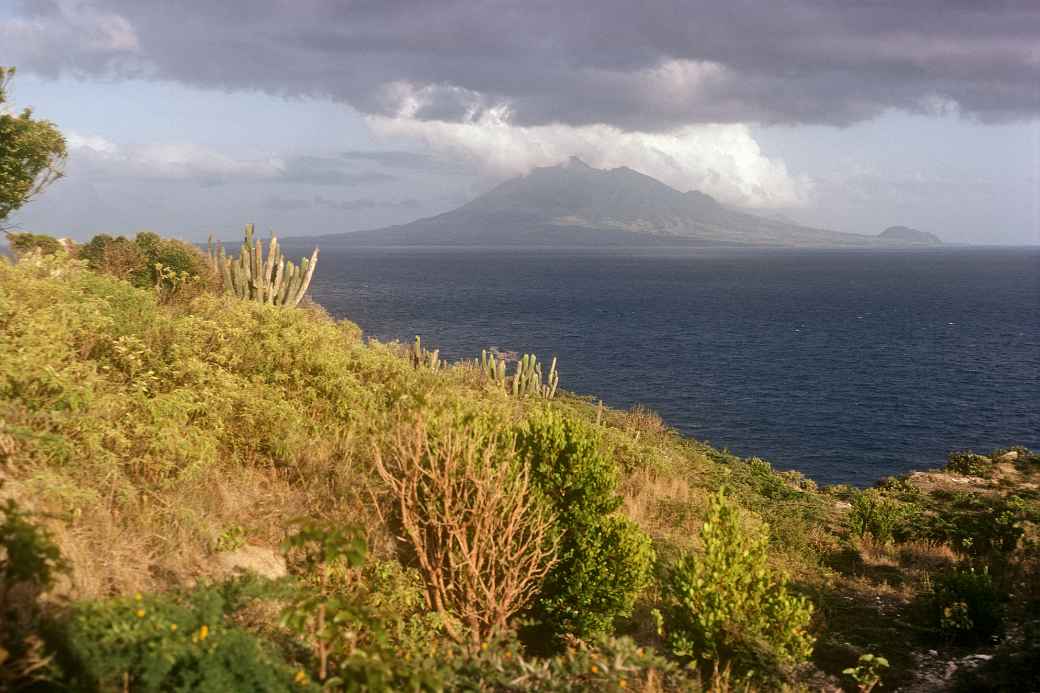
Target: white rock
{"x": 252, "y": 559}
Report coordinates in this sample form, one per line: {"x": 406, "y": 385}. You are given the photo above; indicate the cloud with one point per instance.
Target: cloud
{"x": 105, "y": 159}
{"x": 285, "y": 204}
{"x": 405, "y": 160}
{"x": 315, "y": 170}
{"x": 636, "y": 66}
{"x": 724, "y": 161}
{"x": 100, "y": 38}
{"x": 366, "y": 203}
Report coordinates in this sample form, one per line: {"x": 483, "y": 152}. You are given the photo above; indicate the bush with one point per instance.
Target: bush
{"x": 609, "y": 664}
{"x": 158, "y": 643}
{"x": 29, "y": 563}
{"x": 968, "y": 464}
{"x": 878, "y": 515}
{"x": 471, "y": 515}
{"x": 604, "y": 560}
{"x": 174, "y": 267}
{"x": 23, "y": 243}
{"x": 966, "y": 605}
{"x": 729, "y": 604}
{"x": 980, "y": 526}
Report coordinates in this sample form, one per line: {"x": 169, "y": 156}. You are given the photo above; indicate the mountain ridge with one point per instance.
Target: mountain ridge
{"x": 573, "y": 203}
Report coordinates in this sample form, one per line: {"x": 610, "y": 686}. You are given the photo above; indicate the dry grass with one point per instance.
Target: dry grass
{"x": 926, "y": 556}
{"x": 666, "y": 507}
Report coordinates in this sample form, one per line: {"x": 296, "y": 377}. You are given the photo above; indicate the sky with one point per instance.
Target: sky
{"x": 321, "y": 116}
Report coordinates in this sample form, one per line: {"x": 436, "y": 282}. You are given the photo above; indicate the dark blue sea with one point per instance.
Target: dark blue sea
{"x": 845, "y": 365}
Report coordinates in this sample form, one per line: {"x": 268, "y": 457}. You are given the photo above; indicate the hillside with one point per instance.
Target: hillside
{"x": 169, "y": 436}
{"x": 573, "y": 204}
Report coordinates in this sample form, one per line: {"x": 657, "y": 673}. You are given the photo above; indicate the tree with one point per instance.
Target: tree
{"x": 32, "y": 153}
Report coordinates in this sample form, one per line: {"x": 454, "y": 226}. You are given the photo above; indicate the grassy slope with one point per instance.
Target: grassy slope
{"x": 153, "y": 432}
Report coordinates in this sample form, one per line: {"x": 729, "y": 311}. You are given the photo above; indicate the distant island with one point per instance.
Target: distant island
{"x": 905, "y": 234}
{"x": 574, "y": 204}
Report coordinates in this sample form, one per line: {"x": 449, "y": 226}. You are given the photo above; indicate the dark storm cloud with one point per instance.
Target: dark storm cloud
{"x": 636, "y": 65}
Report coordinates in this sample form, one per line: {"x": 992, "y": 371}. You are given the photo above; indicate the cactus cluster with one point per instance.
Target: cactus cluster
{"x": 527, "y": 379}
{"x": 493, "y": 366}
{"x": 275, "y": 281}
{"x": 421, "y": 357}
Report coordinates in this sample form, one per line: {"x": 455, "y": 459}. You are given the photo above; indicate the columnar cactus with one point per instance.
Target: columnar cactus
{"x": 494, "y": 367}
{"x": 527, "y": 379}
{"x": 421, "y": 357}
{"x": 275, "y": 281}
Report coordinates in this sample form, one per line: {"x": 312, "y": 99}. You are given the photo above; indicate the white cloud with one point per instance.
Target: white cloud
{"x": 724, "y": 161}
{"x": 166, "y": 161}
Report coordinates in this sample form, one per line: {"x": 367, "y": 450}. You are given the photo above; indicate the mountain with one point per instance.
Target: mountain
{"x": 905, "y": 234}
{"x": 576, "y": 204}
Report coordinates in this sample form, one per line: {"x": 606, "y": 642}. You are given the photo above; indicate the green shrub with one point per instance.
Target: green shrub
{"x": 867, "y": 672}
{"x": 169, "y": 643}
{"x": 608, "y": 664}
{"x": 729, "y": 604}
{"x": 875, "y": 513}
{"x": 23, "y": 243}
{"x": 901, "y": 487}
{"x": 28, "y": 556}
{"x": 29, "y": 562}
{"x": 604, "y": 560}
{"x": 172, "y": 266}
{"x": 966, "y": 605}
{"x": 968, "y": 464}
{"x": 979, "y": 526}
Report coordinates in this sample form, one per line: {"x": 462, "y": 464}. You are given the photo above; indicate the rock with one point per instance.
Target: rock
{"x": 252, "y": 559}
{"x": 1009, "y": 456}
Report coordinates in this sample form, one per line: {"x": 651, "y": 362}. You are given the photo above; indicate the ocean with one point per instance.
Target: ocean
{"x": 846, "y": 365}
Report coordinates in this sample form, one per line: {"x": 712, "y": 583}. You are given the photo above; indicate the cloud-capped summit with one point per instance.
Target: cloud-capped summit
{"x": 573, "y": 203}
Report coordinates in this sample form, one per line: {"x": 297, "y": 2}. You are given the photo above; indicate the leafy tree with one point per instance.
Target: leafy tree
{"x": 32, "y": 153}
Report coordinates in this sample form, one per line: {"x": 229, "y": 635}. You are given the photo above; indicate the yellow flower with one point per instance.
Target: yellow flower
{"x": 140, "y": 613}
{"x": 483, "y": 646}
{"x": 622, "y": 684}
{"x": 173, "y": 627}
{"x": 203, "y": 631}
{"x": 138, "y": 597}
{"x": 593, "y": 669}
{"x": 300, "y": 676}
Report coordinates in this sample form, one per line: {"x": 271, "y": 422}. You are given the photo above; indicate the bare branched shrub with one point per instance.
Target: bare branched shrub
{"x": 481, "y": 535}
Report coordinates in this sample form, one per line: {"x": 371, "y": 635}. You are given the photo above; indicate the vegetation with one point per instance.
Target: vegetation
{"x": 729, "y": 603}
{"x": 604, "y": 559}
{"x": 159, "y": 437}
{"x": 176, "y": 270}
{"x": 32, "y": 153}
{"x": 23, "y": 243}
{"x": 274, "y": 281}
{"x": 423, "y": 358}
{"x": 527, "y": 377}
{"x": 867, "y": 672}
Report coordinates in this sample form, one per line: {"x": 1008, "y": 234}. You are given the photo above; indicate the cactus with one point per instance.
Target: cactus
{"x": 421, "y": 357}
{"x": 275, "y": 281}
{"x": 527, "y": 379}
{"x": 494, "y": 367}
